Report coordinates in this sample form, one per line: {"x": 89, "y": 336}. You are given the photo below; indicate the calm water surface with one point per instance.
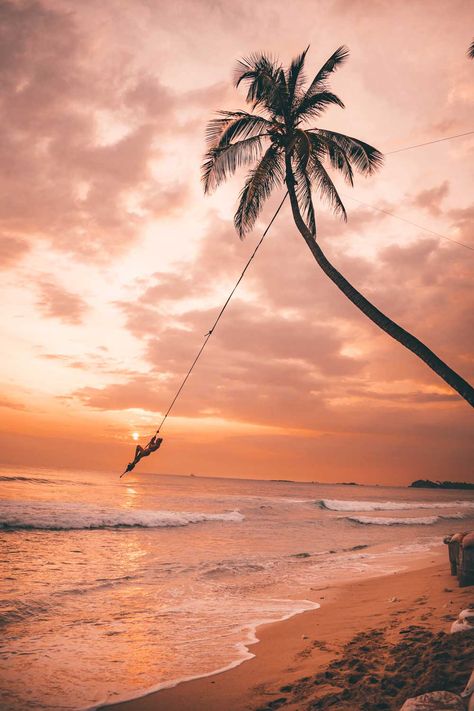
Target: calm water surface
{"x": 111, "y": 588}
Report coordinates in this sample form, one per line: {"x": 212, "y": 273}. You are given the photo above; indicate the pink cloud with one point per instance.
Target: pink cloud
{"x": 463, "y": 220}
{"x": 63, "y": 184}
{"x": 57, "y": 302}
{"x": 11, "y": 404}
{"x": 12, "y": 250}
{"x": 432, "y": 198}
{"x": 141, "y": 392}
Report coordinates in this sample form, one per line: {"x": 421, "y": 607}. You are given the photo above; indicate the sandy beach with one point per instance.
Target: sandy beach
{"x": 372, "y": 644}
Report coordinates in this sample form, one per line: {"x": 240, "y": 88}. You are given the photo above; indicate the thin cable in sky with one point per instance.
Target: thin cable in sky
{"x": 428, "y": 143}
{"x": 404, "y": 219}
{"x": 218, "y": 318}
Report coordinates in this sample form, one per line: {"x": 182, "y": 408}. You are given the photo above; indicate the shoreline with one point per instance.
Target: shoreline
{"x": 286, "y": 651}
{"x": 247, "y": 655}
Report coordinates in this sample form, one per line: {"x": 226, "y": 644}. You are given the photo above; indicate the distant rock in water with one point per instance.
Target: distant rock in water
{"x": 427, "y": 484}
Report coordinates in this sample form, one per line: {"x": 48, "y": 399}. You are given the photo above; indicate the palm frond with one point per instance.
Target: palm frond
{"x": 234, "y": 125}
{"x": 278, "y": 104}
{"x": 265, "y": 80}
{"x": 295, "y": 76}
{"x": 364, "y": 157}
{"x": 470, "y": 51}
{"x": 220, "y": 162}
{"x": 305, "y": 200}
{"x": 268, "y": 174}
{"x": 254, "y": 63}
{"x": 301, "y": 156}
{"x": 314, "y": 105}
{"x": 326, "y": 147}
{"x": 302, "y": 148}
{"x": 258, "y": 71}
{"x": 335, "y": 60}
{"x": 318, "y": 174}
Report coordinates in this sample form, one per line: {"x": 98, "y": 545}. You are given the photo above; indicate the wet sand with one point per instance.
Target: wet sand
{"x": 372, "y": 644}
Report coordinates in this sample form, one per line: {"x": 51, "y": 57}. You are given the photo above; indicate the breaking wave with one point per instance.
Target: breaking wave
{"x": 67, "y": 517}
{"x": 340, "y": 505}
{"x": 419, "y": 521}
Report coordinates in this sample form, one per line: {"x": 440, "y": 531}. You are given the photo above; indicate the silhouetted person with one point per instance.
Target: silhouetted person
{"x": 141, "y": 452}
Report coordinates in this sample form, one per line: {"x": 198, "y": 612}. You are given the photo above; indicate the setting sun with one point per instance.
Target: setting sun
{"x": 135, "y": 436}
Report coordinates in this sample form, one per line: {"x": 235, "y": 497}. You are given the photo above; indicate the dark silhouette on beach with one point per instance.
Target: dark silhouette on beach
{"x": 283, "y": 152}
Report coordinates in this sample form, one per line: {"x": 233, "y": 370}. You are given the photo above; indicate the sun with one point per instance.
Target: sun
{"x": 135, "y": 435}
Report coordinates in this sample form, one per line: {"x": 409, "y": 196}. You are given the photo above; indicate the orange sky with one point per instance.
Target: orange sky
{"x": 114, "y": 264}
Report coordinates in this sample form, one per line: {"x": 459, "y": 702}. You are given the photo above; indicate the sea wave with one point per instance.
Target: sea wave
{"x": 18, "y": 610}
{"x": 418, "y": 521}
{"x": 34, "y": 480}
{"x": 232, "y": 568}
{"x": 14, "y": 610}
{"x": 42, "y": 480}
{"x": 67, "y": 517}
{"x": 353, "y": 505}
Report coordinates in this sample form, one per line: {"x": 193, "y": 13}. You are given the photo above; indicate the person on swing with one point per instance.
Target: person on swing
{"x": 141, "y": 452}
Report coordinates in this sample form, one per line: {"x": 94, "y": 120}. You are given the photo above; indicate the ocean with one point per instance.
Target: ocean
{"x": 112, "y": 588}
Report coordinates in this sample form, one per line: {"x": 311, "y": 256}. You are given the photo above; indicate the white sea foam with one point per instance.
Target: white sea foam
{"x": 72, "y": 516}
{"x": 418, "y": 521}
{"x": 353, "y": 505}
{"x": 249, "y": 632}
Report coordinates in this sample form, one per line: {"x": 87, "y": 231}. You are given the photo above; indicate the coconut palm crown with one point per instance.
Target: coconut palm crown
{"x": 284, "y": 106}
{"x": 470, "y": 51}
{"x": 273, "y": 138}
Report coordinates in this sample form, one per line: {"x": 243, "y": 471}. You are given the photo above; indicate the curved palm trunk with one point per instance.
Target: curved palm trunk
{"x": 386, "y": 324}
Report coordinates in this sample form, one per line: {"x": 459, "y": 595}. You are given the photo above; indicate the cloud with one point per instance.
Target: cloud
{"x": 77, "y": 142}
{"x": 432, "y": 198}
{"x": 142, "y": 391}
{"x": 404, "y": 397}
{"x": 463, "y": 221}
{"x": 98, "y": 361}
{"x": 12, "y": 250}
{"x": 11, "y": 404}
{"x": 57, "y": 302}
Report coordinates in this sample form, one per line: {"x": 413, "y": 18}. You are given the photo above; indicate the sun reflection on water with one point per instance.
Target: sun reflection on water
{"x": 130, "y": 495}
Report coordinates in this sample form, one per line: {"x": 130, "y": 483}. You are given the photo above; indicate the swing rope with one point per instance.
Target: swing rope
{"x": 219, "y": 316}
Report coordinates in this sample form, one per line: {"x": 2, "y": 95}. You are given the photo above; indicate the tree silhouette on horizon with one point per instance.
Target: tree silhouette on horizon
{"x": 470, "y": 51}
{"x": 282, "y": 151}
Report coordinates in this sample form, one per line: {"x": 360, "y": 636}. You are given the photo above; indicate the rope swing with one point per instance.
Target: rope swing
{"x": 156, "y": 441}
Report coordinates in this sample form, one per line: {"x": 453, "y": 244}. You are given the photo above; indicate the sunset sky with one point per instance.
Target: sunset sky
{"x": 114, "y": 264}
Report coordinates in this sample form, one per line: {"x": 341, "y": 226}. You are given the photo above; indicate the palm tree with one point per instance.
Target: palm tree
{"x": 470, "y": 51}
{"x": 284, "y": 152}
